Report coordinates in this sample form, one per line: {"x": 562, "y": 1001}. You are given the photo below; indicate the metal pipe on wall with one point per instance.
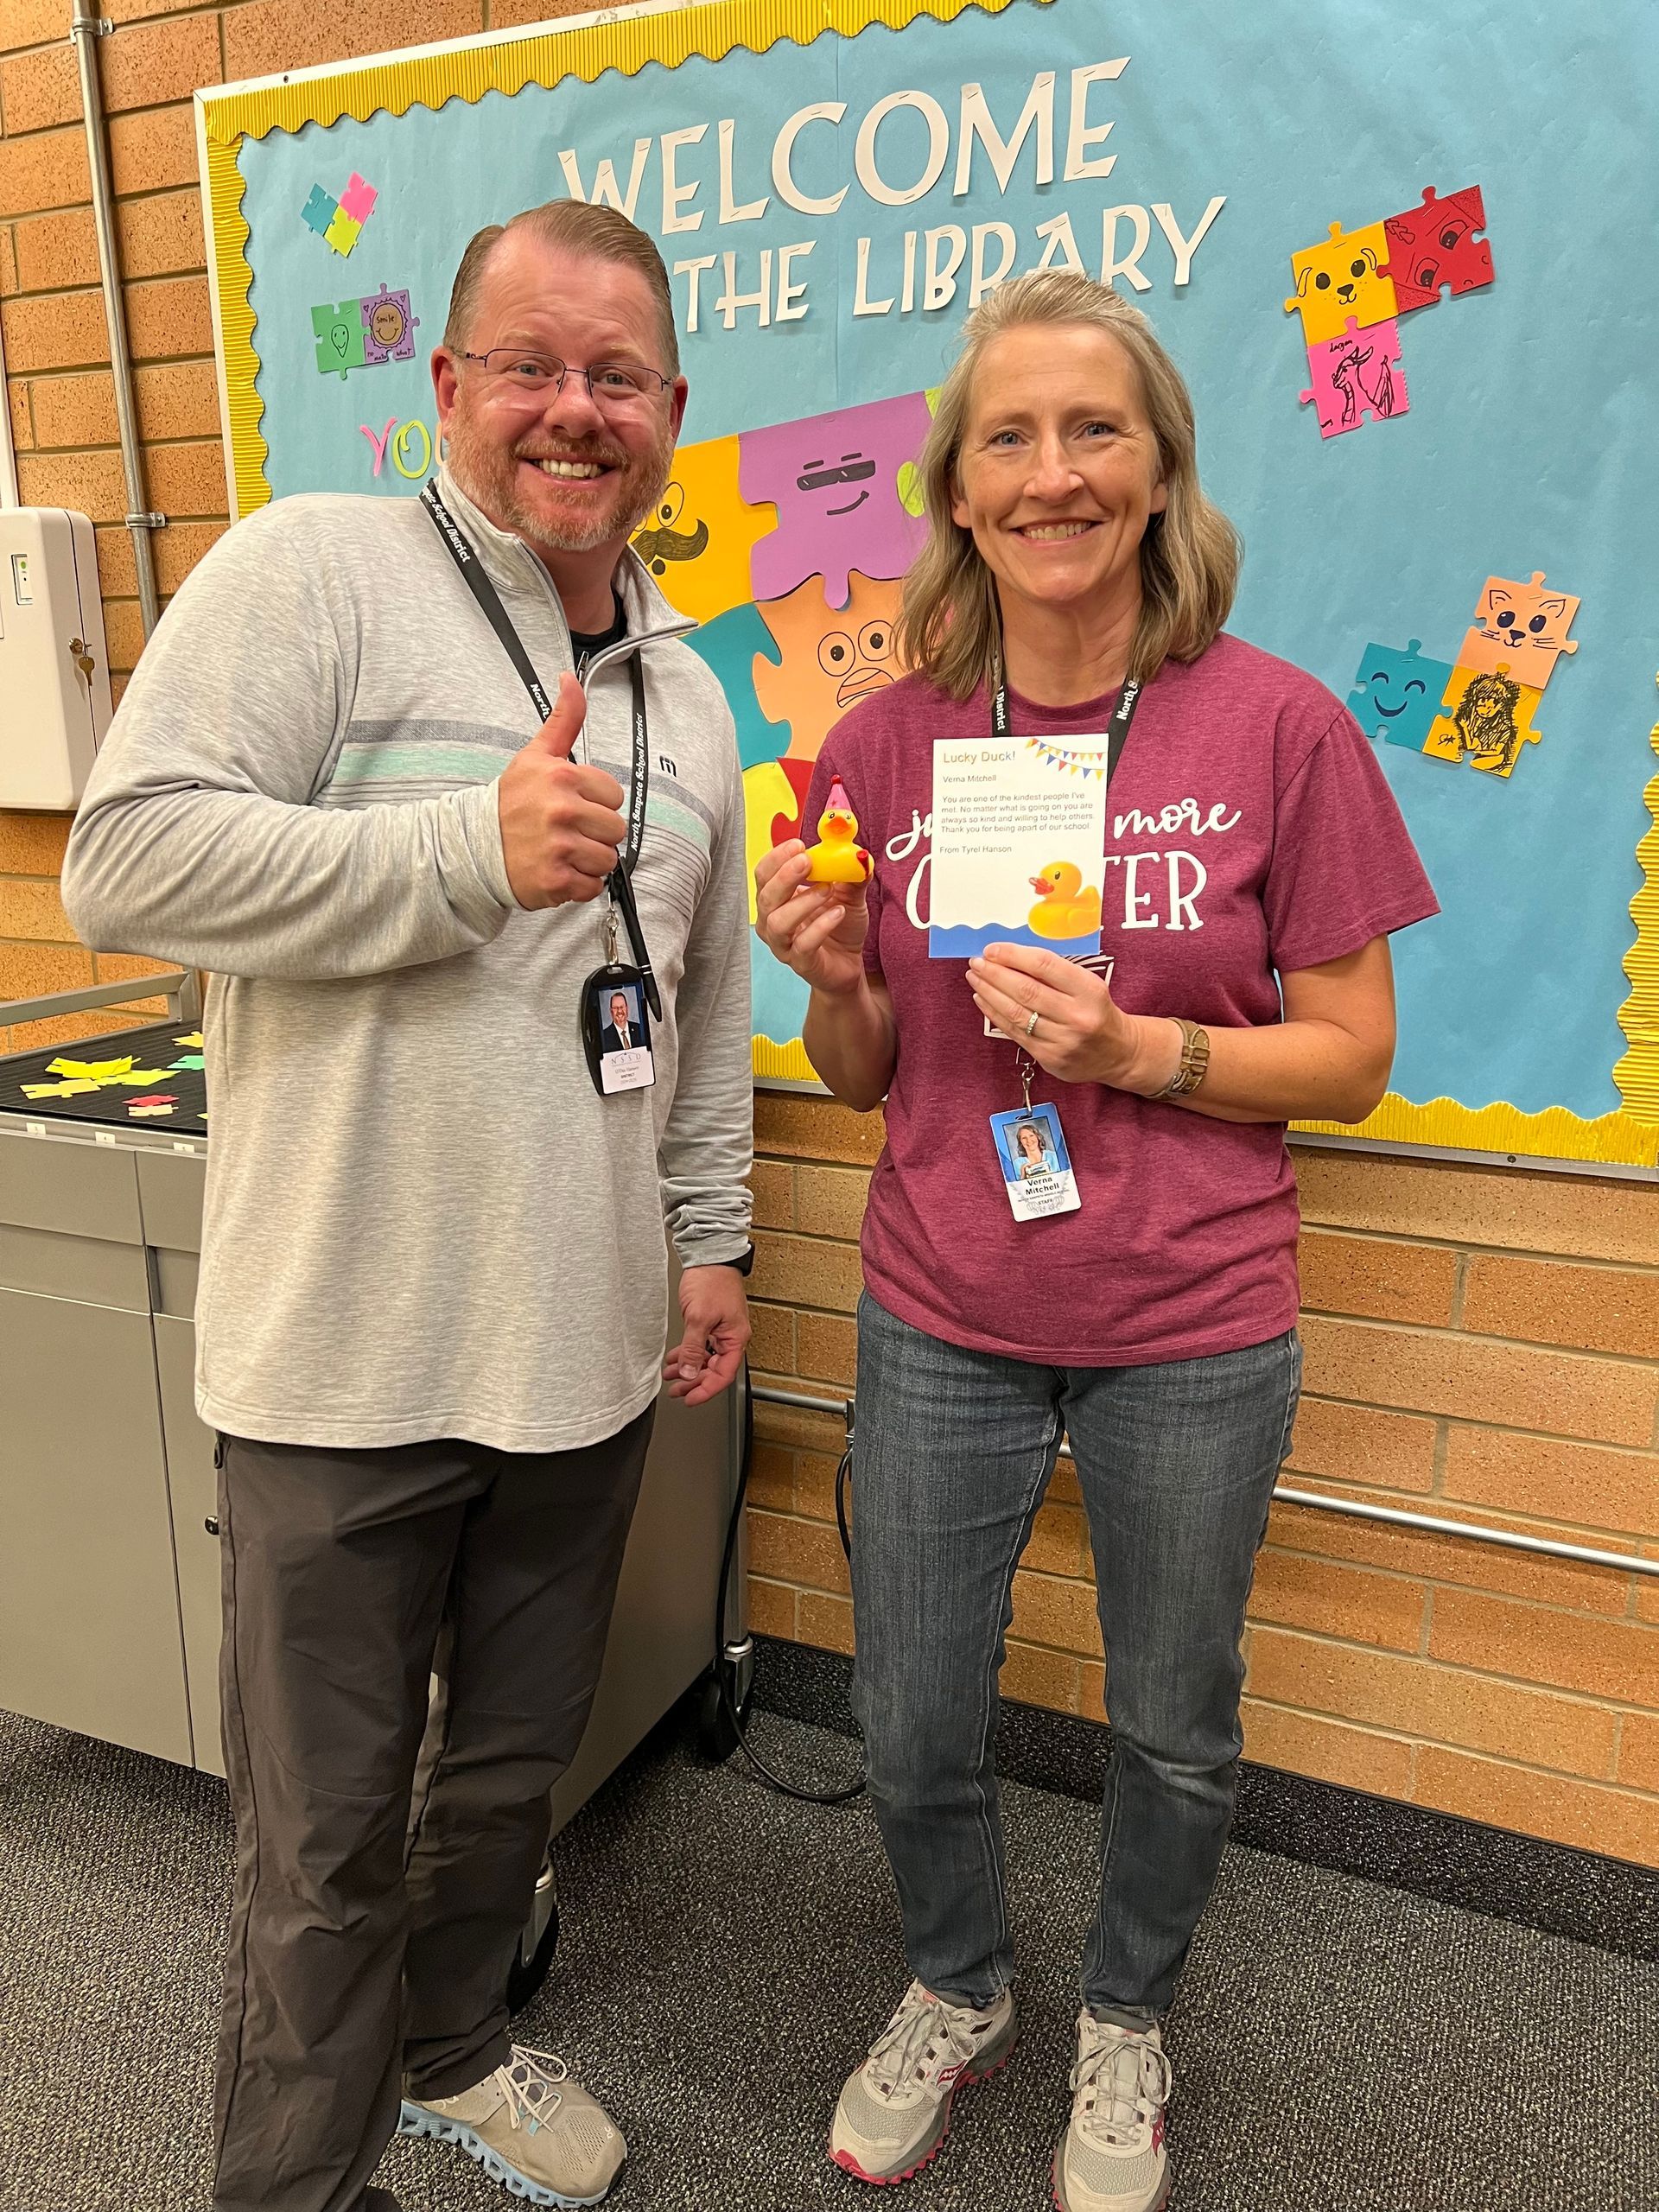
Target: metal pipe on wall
{"x": 84, "y": 31}
{"x": 1356, "y": 1509}
{"x": 8, "y": 493}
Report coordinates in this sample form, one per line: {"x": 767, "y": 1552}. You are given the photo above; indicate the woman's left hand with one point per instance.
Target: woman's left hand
{"x": 1081, "y": 1034}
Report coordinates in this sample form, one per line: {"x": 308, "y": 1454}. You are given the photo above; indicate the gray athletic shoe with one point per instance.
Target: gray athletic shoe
{"x": 895, "y": 2111}
{"x": 530, "y": 2128}
{"x": 1111, "y": 2157}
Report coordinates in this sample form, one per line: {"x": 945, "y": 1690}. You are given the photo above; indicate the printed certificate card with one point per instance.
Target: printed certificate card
{"x": 1018, "y": 844}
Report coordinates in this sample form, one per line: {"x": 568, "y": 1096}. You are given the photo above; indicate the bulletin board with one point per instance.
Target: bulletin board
{"x": 1396, "y": 250}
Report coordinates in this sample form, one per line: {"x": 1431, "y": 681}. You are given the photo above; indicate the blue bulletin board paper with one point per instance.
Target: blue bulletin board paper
{"x": 1204, "y": 148}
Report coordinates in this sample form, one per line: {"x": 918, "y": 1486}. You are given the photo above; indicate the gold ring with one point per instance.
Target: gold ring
{"x": 1030, "y": 1026}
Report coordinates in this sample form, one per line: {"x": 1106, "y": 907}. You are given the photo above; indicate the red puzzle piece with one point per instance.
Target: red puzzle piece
{"x": 1436, "y": 244}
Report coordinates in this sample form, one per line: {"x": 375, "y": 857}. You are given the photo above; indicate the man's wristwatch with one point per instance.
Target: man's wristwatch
{"x": 1194, "y": 1061}
{"x": 744, "y": 1262}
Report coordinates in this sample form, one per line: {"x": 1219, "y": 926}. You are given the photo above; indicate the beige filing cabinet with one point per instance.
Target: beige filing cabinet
{"x": 109, "y": 1563}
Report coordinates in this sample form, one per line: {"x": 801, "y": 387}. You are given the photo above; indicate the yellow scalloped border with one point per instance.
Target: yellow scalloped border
{"x": 506, "y": 65}
{"x": 1638, "y": 1073}
{"x": 1613, "y": 1140}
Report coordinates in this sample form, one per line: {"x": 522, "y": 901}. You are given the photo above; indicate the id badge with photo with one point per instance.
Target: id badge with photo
{"x": 1035, "y": 1164}
{"x": 616, "y": 1030}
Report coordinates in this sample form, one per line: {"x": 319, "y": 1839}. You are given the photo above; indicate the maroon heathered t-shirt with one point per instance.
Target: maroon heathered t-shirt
{"x": 1185, "y": 1241}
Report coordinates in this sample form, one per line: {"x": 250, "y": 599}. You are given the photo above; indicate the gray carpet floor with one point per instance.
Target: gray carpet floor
{"x": 1337, "y": 2047}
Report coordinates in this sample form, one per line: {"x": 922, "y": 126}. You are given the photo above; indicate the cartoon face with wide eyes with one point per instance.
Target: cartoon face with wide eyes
{"x": 860, "y": 665}
{"x": 1341, "y": 278}
{"x": 1522, "y": 628}
{"x": 831, "y": 657}
{"x": 662, "y": 540}
{"x": 1436, "y": 244}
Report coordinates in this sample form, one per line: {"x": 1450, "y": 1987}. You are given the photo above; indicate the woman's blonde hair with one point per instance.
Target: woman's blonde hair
{"x": 950, "y": 628}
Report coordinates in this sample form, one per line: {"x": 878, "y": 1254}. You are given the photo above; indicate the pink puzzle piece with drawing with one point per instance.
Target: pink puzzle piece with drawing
{"x": 833, "y": 480}
{"x": 1357, "y": 376}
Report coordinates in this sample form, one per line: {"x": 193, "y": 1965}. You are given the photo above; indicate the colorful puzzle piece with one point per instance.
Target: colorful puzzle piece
{"x": 1521, "y": 627}
{"x": 729, "y": 645}
{"x": 768, "y": 795}
{"x": 357, "y": 200}
{"x": 1357, "y": 377}
{"x": 1341, "y": 278}
{"x": 320, "y": 210}
{"x": 829, "y": 657}
{"x": 1436, "y": 244}
{"x": 1489, "y": 720}
{"x": 339, "y": 333}
{"x": 1398, "y": 693}
{"x": 699, "y": 541}
{"x": 834, "y": 481}
{"x": 389, "y": 327}
{"x": 342, "y": 233}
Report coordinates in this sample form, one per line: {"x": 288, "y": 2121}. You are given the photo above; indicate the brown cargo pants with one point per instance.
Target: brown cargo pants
{"x": 376, "y": 1909}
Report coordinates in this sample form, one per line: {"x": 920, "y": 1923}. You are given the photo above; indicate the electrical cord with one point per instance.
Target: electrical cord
{"x": 846, "y": 1795}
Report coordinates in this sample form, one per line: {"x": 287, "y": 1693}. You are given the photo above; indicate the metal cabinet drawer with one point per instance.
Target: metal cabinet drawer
{"x": 79, "y": 1190}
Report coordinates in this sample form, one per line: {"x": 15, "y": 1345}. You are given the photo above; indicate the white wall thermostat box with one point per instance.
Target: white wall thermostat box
{"x": 54, "y": 672}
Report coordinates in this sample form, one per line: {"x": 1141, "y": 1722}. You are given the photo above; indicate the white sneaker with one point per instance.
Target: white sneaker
{"x": 530, "y": 2128}
{"x": 1111, "y": 2158}
{"x": 895, "y": 2111}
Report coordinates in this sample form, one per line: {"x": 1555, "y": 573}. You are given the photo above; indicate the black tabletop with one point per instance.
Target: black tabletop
{"x": 166, "y": 1054}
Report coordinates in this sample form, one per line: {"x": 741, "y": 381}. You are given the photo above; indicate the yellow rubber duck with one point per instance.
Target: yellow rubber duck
{"x": 1066, "y": 909}
{"x": 836, "y": 858}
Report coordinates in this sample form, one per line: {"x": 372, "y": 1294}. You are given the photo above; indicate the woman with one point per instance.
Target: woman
{"x": 1252, "y": 850}
{"x": 1033, "y": 1155}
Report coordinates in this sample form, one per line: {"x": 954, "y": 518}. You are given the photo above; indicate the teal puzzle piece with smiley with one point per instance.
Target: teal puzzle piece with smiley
{"x": 339, "y": 333}
{"x": 1399, "y": 693}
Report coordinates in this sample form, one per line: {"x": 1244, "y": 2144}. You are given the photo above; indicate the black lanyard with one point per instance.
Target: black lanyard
{"x": 1117, "y": 731}
{"x": 478, "y": 582}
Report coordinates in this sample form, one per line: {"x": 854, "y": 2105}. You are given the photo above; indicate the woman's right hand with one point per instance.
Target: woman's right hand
{"x": 816, "y": 928}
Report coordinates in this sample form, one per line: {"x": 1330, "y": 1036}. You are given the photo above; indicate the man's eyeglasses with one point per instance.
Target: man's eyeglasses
{"x": 614, "y": 384}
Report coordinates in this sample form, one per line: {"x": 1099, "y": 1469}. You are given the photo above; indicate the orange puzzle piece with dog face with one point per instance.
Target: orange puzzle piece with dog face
{"x": 1522, "y": 628}
{"x": 1342, "y": 278}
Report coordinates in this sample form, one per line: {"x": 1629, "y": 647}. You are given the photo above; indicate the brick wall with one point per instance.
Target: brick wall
{"x": 1481, "y": 1344}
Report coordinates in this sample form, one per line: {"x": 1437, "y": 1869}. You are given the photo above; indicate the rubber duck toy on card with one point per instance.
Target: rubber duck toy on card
{"x": 1066, "y": 909}
{"x": 836, "y": 858}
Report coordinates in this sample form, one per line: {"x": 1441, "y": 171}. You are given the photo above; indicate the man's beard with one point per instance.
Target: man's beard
{"x": 488, "y": 473}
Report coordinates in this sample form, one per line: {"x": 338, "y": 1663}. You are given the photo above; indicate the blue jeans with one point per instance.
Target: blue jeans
{"x": 952, "y": 1452}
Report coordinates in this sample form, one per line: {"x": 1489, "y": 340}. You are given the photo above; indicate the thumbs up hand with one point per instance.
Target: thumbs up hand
{"x": 560, "y": 822}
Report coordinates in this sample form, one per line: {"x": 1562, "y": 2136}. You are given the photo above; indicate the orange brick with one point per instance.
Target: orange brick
{"x": 75, "y": 411}
{"x": 33, "y": 844}
{"x": 178, "y": 546}
{"x": 1060, "y": 1613}
{"x": 167, "y": 317}
{"x": 772, "y": 1608}
{"x": 270, "y": 35}
{"x": 188, "y": 480}
{"x": 1452, "y": 1558}
{"x": 825, "y": 1622}
{"x": 1091, "y": 1689}
{"x": 1299, "y": 1743}
{"x": 160, "y": 235}
{"x": 1577, "y": 1216}
{"x": 1638, "y": 1750}
{"x": 829, "y": 1349}
{"x": 1039, "y": 1677}
{"x": 802, "y": 1127}
{"x": 1059, "y": 1543}
{"x": 48, "y": 171}
{"x": 1411, "y": 1697}
{"x": 805, "y": 1553}
{"x": 40, "y": 90}
{"x": 772, "y": 1345}
{"x": 1551, "y": 1301}
{"x": 1607, "y": 1658}
{"x": 796, "y": 1426}
{"x": 1375, "y": 1275}
{"x": 1611, "y": 1401}
{"x": 132, "y": 968}
{"x": 31, "y": 971}
{"x": 808, "y": 1271}
{"x": 1063, "y": 1486}
{"x": 1343, "y": 1601}
{"x": 153, "y": 149}
{"x": 63, "y": 1029}
{"x": 30, "y": 907}
{"x": 56, "y": 330}
{"x": 124, "y": 633}
{"x": 1588, "y": 1485}
{"x": 89, "y": 483}
{"x": 814, "y": 1485}
{"x": 22, "y": 421}
{"x": 772, "y": 1478}
{"x": 143, "y": 65}
{"x": 830, "y": 1201}
{"x": 1646, "y": 1589}
{"x": 1360, "y": 1444}
{"x": 507, "y": 13}
{"x": 29, "y": 22}
{"x": 773, "y": 1184}
{"x": 56, "y": 250}
{"x": 117, "y": 571}
{"x": 1616, "y": 1822}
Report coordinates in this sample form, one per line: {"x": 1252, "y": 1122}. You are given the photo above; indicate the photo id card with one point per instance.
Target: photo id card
{"x": 1036, "y": 1166}
{"x": 615, "y": 1031}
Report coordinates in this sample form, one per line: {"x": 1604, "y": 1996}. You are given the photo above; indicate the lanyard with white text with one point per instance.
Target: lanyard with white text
{"x": 479, "y": 583}
{"x": 1117, "y": 730}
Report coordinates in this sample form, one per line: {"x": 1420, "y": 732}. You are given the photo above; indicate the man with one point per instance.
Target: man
{"x": 432, "y": 1356}
{"x": 621, "y": 1034}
